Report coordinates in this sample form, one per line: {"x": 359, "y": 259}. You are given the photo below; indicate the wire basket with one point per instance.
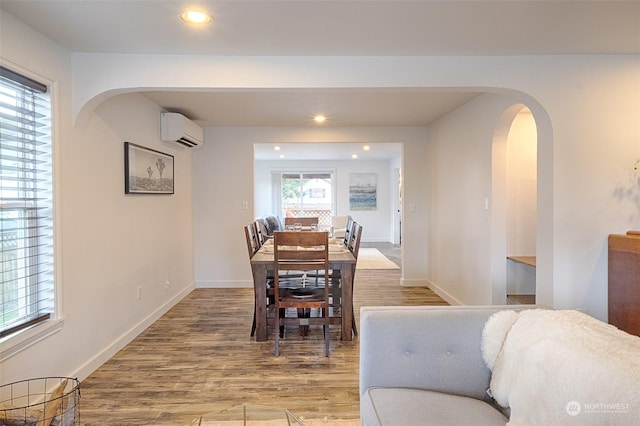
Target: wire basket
{"x": 46, "y": 401}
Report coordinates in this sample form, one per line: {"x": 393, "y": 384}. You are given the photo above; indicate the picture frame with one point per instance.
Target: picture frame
{"x": 363, "y": 191}
{"x": 147, "y": 171}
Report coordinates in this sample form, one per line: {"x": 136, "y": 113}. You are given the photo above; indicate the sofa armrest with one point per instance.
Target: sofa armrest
{"x": 426, "y": 347}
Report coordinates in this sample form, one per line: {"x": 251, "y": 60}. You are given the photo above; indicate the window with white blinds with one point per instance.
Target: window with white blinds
{"x": 26, "y": 204}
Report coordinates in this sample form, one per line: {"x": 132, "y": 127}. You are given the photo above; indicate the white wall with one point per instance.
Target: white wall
{"x": 377, "y": 224}
{"x": 460, "y": 229}
{"x": 108, "y": 243}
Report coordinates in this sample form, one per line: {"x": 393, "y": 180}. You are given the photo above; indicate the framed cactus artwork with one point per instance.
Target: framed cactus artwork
{"x": 147, "y": 171}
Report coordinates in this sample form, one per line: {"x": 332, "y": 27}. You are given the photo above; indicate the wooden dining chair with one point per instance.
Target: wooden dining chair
{"x": 253, "y": 245}
{"x": 252, "y": 248}
{"x": 354, "y": 248}
{"x": 302, "y": 251}
{"x": 260, "y": 232}
{"x": 335, "y": 277}
{"x": 348, "y": 230}
{"x": 354, "y": 239}
{"x": 335, "y": 280}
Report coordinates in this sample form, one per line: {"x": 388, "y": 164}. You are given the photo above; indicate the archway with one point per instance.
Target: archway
{"x": 515, "y": 169}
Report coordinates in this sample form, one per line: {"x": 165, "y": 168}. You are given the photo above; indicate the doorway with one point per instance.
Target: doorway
{"x": 321, "y": 174}
{"x": 397, "y": 207}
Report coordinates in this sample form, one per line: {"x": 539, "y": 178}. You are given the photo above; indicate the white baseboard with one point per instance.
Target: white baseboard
{"x": 94, "y": 363}
{"x": 446, "y": 296}
{"x": 413, "y": 283}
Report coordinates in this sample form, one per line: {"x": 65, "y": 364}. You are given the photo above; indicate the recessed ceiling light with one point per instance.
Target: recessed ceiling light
{"x": 281, "y": 155}
{"x": 354, "y": 156}
{"x": 366, "y": 148}
{"x": 196, "y": 17}
{"x": 319, "y": 118}
{"x": 276, "y": 148}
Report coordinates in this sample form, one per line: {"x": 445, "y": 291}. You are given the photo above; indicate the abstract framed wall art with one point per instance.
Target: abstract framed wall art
{"x": 147, "y": 171}
{"x": 363, "y": 191}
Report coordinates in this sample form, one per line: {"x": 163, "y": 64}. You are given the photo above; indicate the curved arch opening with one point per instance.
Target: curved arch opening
{"x": 417, "y": 270}
{"x": 517, "y": 208}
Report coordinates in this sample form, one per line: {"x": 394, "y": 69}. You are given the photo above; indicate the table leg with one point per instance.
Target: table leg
{"x": 346, "y": 272}
{"x": 260, "y": 293}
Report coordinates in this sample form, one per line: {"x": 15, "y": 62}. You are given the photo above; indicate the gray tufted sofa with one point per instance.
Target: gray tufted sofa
{"x": 423, "y": 365}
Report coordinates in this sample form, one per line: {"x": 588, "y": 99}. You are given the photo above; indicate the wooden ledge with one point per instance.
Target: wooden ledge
{"x": 525, "y": 260}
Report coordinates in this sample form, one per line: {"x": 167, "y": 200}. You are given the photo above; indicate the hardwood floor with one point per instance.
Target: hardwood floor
{"x": 199, "y": 358}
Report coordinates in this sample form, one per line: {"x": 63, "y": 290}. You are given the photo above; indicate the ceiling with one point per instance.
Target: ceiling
{"x": 297, "y": 107}
{"x": 329, "y": 27}
{"x": 326, "y": 151}
{"x": 335, "y": 28}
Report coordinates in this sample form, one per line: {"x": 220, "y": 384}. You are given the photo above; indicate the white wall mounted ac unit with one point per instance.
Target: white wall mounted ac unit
{"x": 177, "y": 128}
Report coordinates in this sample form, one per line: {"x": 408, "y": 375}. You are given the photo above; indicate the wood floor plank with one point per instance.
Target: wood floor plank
{"x": 199, "y": 358}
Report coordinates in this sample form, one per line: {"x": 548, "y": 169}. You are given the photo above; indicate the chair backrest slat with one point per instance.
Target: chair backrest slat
{"x": 348, "y": 231}
{"x": 354, "y": 239}
{"x": 301, "y": 250}
{"x": 260, "y": 232}
{"x": 252, "y": 239}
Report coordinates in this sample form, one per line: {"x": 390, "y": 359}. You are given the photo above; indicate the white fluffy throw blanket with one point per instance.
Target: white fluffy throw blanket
{"x": 562, "y": 368}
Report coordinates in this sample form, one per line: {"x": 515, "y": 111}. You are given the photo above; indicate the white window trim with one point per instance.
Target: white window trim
{"x": 17, "y": 342}
{"x": 23, "y": 339}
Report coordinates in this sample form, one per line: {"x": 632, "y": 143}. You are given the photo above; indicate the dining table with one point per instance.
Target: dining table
{"x": 340, "y": 258}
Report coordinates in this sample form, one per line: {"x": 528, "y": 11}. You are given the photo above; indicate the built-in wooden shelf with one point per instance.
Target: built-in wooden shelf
{"x": 521, "y": 299}
{"x": 525, "y": 260}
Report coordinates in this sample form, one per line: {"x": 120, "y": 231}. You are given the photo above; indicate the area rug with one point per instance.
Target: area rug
{"x": 371, "y": 258}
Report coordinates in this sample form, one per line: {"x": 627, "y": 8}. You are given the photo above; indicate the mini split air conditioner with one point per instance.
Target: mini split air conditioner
{"x": 177, "y": 128}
